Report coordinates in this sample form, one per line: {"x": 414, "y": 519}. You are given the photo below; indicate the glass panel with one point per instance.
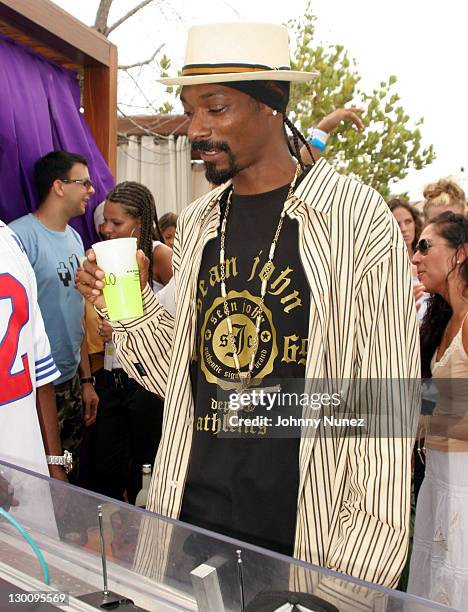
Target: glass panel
{"x": 157, "y": 563}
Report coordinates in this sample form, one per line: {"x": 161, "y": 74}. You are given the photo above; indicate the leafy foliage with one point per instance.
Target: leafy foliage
{"x": 388, "y": 147}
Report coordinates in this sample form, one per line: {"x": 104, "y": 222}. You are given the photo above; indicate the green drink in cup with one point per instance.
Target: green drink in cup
{"x": 117, "y": 258}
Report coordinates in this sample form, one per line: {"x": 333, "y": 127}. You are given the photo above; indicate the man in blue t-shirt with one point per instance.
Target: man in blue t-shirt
{"x": 54, "y": 250}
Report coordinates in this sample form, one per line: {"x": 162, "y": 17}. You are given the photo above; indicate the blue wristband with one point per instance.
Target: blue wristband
{"x": 318, "y": 144}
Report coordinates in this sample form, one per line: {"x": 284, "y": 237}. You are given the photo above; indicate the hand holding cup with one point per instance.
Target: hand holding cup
{"x": 90, "y": 277}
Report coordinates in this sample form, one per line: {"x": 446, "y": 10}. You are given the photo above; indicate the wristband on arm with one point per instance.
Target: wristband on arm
{"x": 318, "y": 139}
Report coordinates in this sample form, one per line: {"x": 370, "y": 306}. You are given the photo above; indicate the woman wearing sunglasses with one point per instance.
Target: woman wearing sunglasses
{"x": 439, "y": 563}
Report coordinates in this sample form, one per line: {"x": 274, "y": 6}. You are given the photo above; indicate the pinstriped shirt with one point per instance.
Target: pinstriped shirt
{"x": 354, "y": 492}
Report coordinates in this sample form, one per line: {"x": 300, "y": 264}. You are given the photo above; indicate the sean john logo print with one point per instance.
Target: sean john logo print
{"x": 216, "y": 349}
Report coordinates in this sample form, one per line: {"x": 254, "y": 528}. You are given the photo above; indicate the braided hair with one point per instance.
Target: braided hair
{"x": 281, "y": 90}
{"x": 454, "y": 228}
{"x": 137, "y": 200}
{"x": 296, "y": 149}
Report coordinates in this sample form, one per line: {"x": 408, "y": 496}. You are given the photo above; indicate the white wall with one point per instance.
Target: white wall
{"x": 164, "y": 166}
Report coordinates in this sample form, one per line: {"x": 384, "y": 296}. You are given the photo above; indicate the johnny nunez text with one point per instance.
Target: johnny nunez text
{"x": 289, "y": 421}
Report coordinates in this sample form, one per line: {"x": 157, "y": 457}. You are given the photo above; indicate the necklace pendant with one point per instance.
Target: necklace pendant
{"x": 245, "y": 380}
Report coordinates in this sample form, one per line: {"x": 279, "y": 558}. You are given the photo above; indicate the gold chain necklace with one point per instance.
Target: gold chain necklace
{"x": 245, "y": 377}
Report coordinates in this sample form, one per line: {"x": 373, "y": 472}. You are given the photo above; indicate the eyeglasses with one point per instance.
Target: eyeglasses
{"x": 424, "y": 245}
{"x": 87, "y": 183}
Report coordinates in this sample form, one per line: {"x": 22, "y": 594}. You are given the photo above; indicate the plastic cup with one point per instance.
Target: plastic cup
{"x": 117, "y": 258}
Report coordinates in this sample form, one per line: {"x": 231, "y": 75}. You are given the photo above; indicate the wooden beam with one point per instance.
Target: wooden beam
{"x": 50, "y": 25}
{"x": 21, "y": 37}
{"x": 165, "y": 125}
{"x": 100, "y": 103}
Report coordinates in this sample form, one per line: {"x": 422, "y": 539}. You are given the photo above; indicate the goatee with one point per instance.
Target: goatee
{"x": 218, "y": 177}
{"x": 212, "y": 174}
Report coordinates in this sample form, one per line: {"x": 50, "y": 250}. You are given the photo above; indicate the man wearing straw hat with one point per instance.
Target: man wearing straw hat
{"x": 283, "y": 272}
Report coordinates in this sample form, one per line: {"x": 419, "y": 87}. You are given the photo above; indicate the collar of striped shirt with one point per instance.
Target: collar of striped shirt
{"x": 314, "y": 189}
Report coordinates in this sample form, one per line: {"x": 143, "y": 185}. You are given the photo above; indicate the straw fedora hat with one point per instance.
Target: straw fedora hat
{"x": 237, "y": 51}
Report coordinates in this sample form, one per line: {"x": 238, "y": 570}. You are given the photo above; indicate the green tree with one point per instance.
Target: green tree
{"x": 390, "y": 145}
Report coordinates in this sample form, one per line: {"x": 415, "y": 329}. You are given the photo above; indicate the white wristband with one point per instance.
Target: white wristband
{"x": 320, "y": 135}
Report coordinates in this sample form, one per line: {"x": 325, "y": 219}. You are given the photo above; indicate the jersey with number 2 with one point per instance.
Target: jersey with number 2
{"x": 25, "y": 357}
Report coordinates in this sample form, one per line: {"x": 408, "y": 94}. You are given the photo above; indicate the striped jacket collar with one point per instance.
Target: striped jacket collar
{"x": 315, "y": 190}
{"x": 317, "y": 187}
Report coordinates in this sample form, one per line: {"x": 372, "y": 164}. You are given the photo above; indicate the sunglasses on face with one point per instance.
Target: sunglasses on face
{"x": 424, "y": 245}
{"x": 87, "y": 183}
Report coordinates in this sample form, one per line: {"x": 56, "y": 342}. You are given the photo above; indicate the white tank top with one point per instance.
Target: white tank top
{"x": 157, "y": 286}
{"x": 452, "y": 394}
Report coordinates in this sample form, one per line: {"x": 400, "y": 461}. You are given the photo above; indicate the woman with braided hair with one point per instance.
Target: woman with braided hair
{"x": 439, "y": 562}
{"x": 130, "y": 210}
{"x": 128, "y": 427}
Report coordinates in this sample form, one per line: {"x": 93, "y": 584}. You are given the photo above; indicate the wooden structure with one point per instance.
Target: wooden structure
{"x": 59, "y": 37}
{"x": 146, "y": 125}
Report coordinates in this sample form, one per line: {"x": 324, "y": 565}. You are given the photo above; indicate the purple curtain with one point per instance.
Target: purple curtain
{"x": 39, "y": 113}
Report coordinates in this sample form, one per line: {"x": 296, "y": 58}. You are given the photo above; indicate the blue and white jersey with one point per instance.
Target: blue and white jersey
{"x": 26, "y": 361}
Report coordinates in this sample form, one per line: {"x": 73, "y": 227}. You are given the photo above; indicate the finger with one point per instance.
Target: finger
{"x": 90, "y": 266}
{"x": 89, "y": 279}
{"x": 354, "y": 114}
{"x": 93, "y": 296}
{"x": 356, "y": 119}
{"x": 88, "y": 292}
{"x": 90, "y": 255}
{"x": 90, "y": 415}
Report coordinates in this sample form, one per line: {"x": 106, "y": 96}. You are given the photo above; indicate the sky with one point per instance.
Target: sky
{"x": 423, "y": 43}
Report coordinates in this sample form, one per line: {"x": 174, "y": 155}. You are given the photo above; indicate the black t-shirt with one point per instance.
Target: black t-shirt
{"x": 246, "y": 486}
